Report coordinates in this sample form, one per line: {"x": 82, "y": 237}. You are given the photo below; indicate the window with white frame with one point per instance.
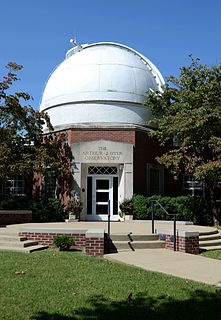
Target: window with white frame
{"x": 155, "y": 179}
{"x": 193, "y": 186}
{"x": 14, "y": 187}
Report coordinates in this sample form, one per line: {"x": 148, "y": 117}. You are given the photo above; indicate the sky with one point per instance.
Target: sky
{"x": 37, "y": 33}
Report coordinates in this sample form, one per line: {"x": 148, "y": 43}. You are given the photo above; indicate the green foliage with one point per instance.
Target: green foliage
{"x": 190, "y": 109}
{"x": 50, "y": 210}
{"x": 126, "y": 207}
{"x": 140, "y": 204}
{"x": 16, "y": 203}
{"x": 63, "y": 242}
{"x": 213, "y": 254}
{"x": 22, "y": 147}
{"x": 74, "y": 206}
{"x": 189, "y": 208}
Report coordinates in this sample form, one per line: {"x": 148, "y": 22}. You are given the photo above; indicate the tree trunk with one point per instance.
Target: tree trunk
{"x": 215, "y": 210}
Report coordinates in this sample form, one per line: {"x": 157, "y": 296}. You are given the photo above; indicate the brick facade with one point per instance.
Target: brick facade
{"x": 145, "y": 151}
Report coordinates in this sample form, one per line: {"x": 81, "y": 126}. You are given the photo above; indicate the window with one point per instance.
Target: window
{"x": 155, "y": 179}
{"x": 193, "y": 186}
{"x": 102, "y": 170}
{"x": 14, "y": 187}
{"x": 50, "y": 185}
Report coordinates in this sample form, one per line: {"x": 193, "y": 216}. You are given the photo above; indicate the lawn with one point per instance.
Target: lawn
{"x": 214, "y": 254}
{"x": 68, "y": 285}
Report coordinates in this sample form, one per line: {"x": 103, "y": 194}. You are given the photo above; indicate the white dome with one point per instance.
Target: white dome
{"x": 101, "y": 82}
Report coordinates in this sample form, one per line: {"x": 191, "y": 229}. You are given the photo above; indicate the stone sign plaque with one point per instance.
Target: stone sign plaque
{"x": 102, "y": 151}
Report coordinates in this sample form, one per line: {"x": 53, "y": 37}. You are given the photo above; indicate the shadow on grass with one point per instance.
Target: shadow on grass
{"x": 199, "y": 305}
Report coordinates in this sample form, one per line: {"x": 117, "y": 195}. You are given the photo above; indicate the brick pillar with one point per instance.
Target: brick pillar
{"x": 186, "y": 241}
{"x": 94, "y": 243}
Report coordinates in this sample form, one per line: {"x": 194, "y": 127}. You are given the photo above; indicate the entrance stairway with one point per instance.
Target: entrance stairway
{"x": 131, "y": 242}
{"x": 210, "y": 240}
{"x": 10, "y": 241}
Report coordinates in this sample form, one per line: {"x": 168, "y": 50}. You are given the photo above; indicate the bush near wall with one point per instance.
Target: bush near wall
{"x": 50, "y": 210}
{"x": 195, "y": 209}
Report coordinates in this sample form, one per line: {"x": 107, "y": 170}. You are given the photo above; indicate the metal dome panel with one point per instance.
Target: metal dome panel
{"x": 107, "y": 73}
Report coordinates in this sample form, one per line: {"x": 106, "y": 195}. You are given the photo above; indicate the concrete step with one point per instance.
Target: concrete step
{"x": 17, "y": 243}
{"x": 134, "y": 237}
{"x": 36, "y": 248}
{"x": 210, "y": 243}
{"x": 119, "y": 245}
{"x": 207, "y": 233}
{"x": 10, "y": 241}
{"x": 23, "y": 249}
{"x": 8, "y": 233}
{"x": 212, "y": 237}
{"x": 210, "y": 248}
{"x": 11, "y": 238}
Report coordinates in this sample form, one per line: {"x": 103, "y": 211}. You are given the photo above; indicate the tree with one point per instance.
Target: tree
{"x": 189, "y": 109}
{"x": 23, "y": 149}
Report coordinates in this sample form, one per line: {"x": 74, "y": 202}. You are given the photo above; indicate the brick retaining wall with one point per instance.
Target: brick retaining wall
{"x": 15, "y": 216}
{"x": 186, "y": 241}
{"x": 90, "y": 241}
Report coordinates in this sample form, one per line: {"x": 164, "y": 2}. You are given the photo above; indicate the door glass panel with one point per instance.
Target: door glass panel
{"x": 102, "y": 196}
{"x": 115, "y": 195}
{"x": 101, "y": 209}
{"x": 102, "y": 184}
{"x": 89, "y": 195}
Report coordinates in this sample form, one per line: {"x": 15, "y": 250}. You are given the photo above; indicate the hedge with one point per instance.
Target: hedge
{"x": 195, "y": 209}
{"x": 50, "y": 210}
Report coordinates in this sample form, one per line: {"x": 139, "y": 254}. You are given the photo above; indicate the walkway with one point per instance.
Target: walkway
{"x": 183, "y": 265}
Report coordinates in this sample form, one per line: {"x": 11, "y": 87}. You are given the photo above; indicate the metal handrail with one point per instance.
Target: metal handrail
{"x": 169, "y": 214}
{"x": 108, "y": 228}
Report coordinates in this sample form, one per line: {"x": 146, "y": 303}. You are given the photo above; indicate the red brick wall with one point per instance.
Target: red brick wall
{"x": 11, "y": 217}
{"x": 93, "y": 246}
{"x": 146, "y": 150}
{"x": 75, "y": 136}
{"x": 183, "y": 244}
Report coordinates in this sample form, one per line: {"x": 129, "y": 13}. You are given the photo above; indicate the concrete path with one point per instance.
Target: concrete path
{"x": 183, "y": 265}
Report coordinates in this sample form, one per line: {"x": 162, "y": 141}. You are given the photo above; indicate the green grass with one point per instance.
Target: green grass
{"x": 68, "y": 285}
{"x": 215, "y": 254}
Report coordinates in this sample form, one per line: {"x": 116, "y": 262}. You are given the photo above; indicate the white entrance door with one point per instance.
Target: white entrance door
{"x": 103, "y": 188}
{"x": 102, "y": 192}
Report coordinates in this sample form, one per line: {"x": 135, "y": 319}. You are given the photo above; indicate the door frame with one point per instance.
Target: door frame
{"x": 100, "y": 217}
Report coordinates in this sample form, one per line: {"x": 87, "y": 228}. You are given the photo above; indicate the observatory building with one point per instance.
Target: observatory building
{"x": 96, "y": 97}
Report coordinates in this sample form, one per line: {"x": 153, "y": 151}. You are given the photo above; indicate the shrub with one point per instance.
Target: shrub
{"x": 140, "y": 204}
{"x": 63, "y": 242}
{"x": 126, "y": 207}
{"x": 195, "y": 209}
{"x": 74, "y": 206}
{"x": 16, "y": 203}
{"x": 50, "y": 210}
